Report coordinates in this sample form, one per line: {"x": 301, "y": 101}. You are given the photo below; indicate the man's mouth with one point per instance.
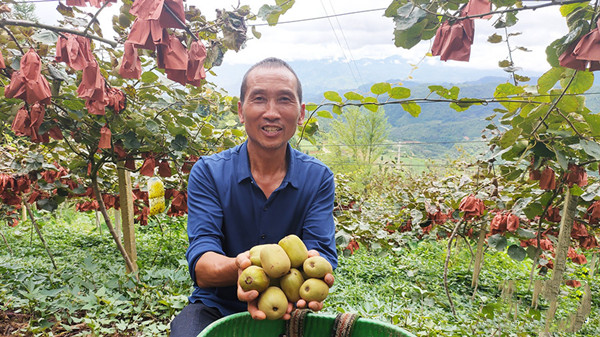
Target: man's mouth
{"x": 271, "y": 128}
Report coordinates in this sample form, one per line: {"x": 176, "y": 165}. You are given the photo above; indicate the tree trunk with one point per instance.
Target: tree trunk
{"x": 586, "y": 301}
{"x": 39, "y": 233}
{"x": 560, "y": 261}
{"x": 6, "y": 242}
{"x": 479, "y": 257}
{"x": 128, "y": 226}
{"x": 111, "y": 229}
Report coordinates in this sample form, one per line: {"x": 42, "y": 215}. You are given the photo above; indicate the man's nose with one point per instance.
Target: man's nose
{"x": 271, "y": 110}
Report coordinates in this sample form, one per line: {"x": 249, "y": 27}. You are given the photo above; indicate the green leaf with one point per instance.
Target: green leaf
{"x": 152, "y": 126}
{"x": 74, "y": 104}
{"x": 549, "y": 79}
{"x": 533, "y": 209}
{"x": 130, "y": 141}
{"x": 149, "y": 77}
{"x": 324, "y": 114}
{"x": 380, "y": 88}
{"x": 561, "y": 159}
{"x": 206, "y": 131}
{"x": 392, "y": 9}
{"x": 525, "y": 233}
{"x": 582, "y": 82}
{"x": 47, "y": 204}
{"x": 179, "y": 143}
{"x": 593, "y": 121}
{"x": 516, "y": 252}
{"x": 185, "y": 120}
{"x": 464, "y": 104}
{"x": 410, "y": 37}
{"x": 508, "y": 89}
{"x": 510, "y": 137}
{"x": 371, "y": 107}
{"x": 45, "y": 36}
{"x": 336, "y": 109}
{"x": 311, "y": 107}
{"x": 591, "y": 192}
{"x": 399, "y": 93}
{"x": 532, "y": 252}
{"x": 591, "y": 148}
{"x": 333, "y": 96}
{"x": 408, "y": 15}
{"x": 57, "y": 73}
{"x": 353, "y": 96}
{"x": 497, "y": 242}
{"x": 256, "y": 33}
{"x": 412, "y": 108}
{"x": 495, "y": 38}
{"x": 576, "y": 190}
{"x": 565, "y": 10}
{"x": 569, "y": 103}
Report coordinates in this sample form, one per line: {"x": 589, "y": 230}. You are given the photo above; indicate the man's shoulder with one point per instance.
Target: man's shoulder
{"x": 223, "y": 156}
{"x": 309, "y": 161}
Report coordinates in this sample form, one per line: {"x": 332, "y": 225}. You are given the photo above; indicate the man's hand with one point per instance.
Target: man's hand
{"x": 251, "y": 297}
{"x": 329, "y": 279}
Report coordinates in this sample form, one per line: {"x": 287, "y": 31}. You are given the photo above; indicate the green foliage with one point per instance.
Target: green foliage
{"x": 404, "y": 288}
{"x": 89, "y": 292}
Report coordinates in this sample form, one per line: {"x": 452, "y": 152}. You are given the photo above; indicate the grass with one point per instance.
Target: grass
{"x": 89, "y": 295}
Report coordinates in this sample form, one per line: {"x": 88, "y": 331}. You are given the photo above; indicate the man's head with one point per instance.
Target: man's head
{"x": 271, "y": 62}
{"x": 270, "y": 106}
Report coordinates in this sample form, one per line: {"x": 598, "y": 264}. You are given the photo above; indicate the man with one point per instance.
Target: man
{"x": 255, "y": 193}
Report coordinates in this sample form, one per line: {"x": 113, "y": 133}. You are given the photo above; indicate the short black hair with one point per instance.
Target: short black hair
{"x": 271, "y": 62}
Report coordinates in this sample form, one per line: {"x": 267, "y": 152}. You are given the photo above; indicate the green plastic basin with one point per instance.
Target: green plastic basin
{"x": 316, "y": 325}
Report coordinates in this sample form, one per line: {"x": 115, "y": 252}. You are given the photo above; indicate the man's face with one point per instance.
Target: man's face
{"x": 271, "y": 110}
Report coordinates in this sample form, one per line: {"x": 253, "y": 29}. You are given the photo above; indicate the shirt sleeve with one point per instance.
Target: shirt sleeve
{"x": 319, "y": 227}
{"x": 205, "y": 216}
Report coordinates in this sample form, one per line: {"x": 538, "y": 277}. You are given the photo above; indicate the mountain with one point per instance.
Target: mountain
{"x": 318, "y": 76}
{"x": 438, "y": 131}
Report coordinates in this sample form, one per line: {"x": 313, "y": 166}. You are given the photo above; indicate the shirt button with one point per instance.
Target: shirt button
{"x": 263, "y": 237}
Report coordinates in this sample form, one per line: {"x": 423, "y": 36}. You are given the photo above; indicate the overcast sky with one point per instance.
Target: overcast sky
{"x": 368, "y": 35}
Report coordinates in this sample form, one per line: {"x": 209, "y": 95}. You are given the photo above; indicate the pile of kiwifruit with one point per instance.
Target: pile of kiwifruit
{"x": 284, "y": 273}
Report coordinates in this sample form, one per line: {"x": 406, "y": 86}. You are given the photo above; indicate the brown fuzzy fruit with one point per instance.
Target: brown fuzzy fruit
{"x": 273, "y": 303}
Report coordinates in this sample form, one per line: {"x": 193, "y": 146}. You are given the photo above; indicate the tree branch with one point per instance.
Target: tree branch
{"x": 524, "y": 8}
{"x": 39, "y": 233}
{"x": 23, "y": 23}
{"x": 183, "y": 25}
{"x": 555, "y": 103}
{"x": 94, "y": 17}
{"x": 13, "y": 38}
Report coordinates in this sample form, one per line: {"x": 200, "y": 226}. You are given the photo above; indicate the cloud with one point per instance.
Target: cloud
{"x": 366, "y": 35}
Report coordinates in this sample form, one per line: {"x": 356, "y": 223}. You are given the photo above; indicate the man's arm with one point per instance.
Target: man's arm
{"x": 216, "y": 270}
{"x": 207, "y": 263}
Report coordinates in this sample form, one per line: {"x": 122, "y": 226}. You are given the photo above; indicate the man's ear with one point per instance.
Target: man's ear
{"x": 302, "y": 114}
{"x": 240, "y": 114}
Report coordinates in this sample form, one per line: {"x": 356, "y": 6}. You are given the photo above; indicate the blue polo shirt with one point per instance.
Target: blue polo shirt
{"x": 229, "y": 214}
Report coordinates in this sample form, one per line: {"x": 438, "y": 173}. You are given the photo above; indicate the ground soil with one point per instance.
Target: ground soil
{"x": 11, "y": 323}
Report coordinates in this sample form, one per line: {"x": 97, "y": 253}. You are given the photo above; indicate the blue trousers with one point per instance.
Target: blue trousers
{"x": 193, "y": 319}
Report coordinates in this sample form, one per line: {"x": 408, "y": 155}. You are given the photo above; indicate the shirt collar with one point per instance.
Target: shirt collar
{"x": 291, "y": 176}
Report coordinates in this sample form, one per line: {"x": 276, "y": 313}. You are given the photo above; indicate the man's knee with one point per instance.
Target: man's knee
{"x": 193, "y": 319}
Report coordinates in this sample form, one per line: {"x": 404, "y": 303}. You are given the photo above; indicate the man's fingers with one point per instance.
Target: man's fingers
{"x": 247, "y": 296}
{"x": 301, "y": 304}
{"x": 312, "y": 253}
{"x": 288, "y": 315}
{"x": 329, "y": 279}
{"x": 255, "y": 313}
{"x": 242, "y": 260}
{"x": 315, "y": 306}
